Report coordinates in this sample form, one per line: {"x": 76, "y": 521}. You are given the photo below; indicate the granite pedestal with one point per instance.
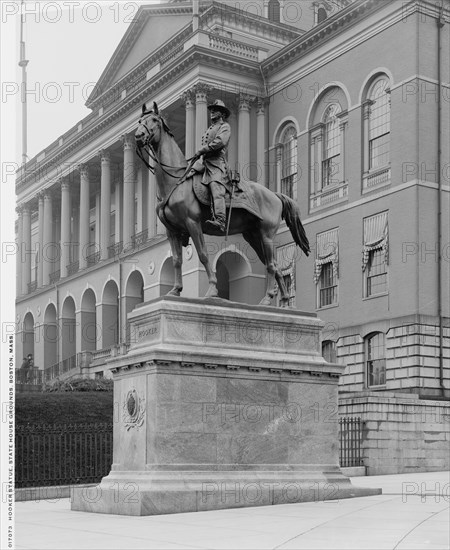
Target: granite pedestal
{"x": 221, "y": 405}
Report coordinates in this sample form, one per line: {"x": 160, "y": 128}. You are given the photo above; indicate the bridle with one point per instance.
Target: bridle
{"x": 149, "y": 149}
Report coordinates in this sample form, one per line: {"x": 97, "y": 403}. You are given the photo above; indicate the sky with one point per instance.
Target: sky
{"x": 68, "y": 44}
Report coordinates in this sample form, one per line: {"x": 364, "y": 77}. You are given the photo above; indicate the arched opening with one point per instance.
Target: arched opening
{"x": 274, "y": 11}
{"x": 50, "y": 336}
{"x": 134, "y": 294}
{"x": 167, "y": 277}
{"x": 110, "y": 315}
{"x": 68, "y": 331}
{"x": 88, "y": 320}
{"x": 233, "y": 281}
{"x": 321, "y": 15}
{"x": 28, "y": 335}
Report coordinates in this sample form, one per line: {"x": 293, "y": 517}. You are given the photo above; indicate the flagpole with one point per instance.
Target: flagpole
{"x": 23, "y": 63}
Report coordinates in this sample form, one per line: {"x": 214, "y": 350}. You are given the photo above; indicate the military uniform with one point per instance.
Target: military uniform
{"x": 214, "y": 154}
{"x": 214, "y": 150}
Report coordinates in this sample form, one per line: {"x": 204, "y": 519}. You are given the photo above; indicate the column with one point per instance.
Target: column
{"x": 342, "y": 129}
{"x": 201, "y": 112}
{"x": 366, "y": 118}
{"x": 261, "y": 141}
{"x": 319, "y": 157}
{"x": 129, "y": 179}
{"x": 266, "y": 9}
{"x": 66, "y": 212}
{"x": 244, "y": 133}
{"x": 282, "y": 14}
{"x": 140, "y": 205}
{"x": 84, "y": 216}
{"x": 19, "y": 290}
{"x": 151, "y": 205}
{"x": 47, "y": 238}
{"x": 26, "y": 248}
{"x": 75, "y": 234}
{"x": 278, "y": 160}
{"x": 189, "y": 102}
{"x": 98, "y": 218}
{"x": 118, "y": 208}
{"x": 40, "y": 238}
{"x": 105, "y": 203}
{"x": 233, "y": 143}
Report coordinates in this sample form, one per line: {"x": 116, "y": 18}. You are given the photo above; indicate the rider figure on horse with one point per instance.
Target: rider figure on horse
{"x": 213, "y": 153}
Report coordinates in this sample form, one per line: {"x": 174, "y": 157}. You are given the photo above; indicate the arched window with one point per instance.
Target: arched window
{"x": 379, "y": 124}
{"x": 375, "y": 351}
{"x": 329, "y": 351}
{"x": 274, "y": 11}
{"x": 288, "y": 141}
{"x": 321, "y": 15}
{"x": 331, "y": 146}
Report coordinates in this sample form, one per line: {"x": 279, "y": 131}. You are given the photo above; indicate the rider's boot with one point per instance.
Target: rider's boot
{"x": 218, "y": 223}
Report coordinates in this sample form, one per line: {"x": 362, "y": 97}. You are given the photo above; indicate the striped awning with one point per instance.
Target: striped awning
{"x": 375, "y": 237}
{"x": 327, "y": 250}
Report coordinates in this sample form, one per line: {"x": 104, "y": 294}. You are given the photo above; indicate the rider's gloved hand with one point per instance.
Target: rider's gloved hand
{"x": 202, "y": 151}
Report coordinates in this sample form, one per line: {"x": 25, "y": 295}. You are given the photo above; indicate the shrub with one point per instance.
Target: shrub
{"x": 79, "y": 384}
{"x": 64, "y": 407}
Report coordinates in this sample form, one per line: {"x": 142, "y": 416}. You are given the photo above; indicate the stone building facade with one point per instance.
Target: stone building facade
{"x": 342, "y": 105}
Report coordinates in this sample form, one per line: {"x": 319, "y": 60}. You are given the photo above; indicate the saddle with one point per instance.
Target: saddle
{"x": 242, "y": 194}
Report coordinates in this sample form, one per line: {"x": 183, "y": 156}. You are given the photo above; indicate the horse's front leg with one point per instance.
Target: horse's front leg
{"x": 177, "y": 260}
{"x": 198, "y": 239}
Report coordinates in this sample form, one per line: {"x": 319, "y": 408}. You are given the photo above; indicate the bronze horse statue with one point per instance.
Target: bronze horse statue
{"x": 184, "y": 216}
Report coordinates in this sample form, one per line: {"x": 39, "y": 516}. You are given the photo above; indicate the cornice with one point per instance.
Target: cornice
{"x": 193, "y": 56}
{"x": 208, "y": 13}
{"x": 250, "y": 21}
{"x": 129, "y": 39}
{"x": 323, "y": 32}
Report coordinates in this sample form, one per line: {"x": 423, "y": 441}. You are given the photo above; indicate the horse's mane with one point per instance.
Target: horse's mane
{"x": 166, "y": 126}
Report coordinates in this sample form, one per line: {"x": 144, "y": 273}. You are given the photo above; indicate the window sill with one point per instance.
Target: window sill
{"x": 377, "y": 388}
{"x": 376, "y": 179}
{"x": 376, "y": 296}
{"x": 329, "y": 196}
{"x": 331, "y": 306}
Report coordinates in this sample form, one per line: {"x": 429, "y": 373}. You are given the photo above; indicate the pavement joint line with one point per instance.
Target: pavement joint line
{"x": 329, "y": 521}
{"x": 120, "y": 536}
{"x": 433, "y": 514}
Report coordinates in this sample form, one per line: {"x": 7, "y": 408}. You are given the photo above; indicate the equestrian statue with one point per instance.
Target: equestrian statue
{"x": 202, "y": 195}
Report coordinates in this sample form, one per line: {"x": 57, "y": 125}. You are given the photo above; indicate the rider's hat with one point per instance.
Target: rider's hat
{"x": 219, "y": 105}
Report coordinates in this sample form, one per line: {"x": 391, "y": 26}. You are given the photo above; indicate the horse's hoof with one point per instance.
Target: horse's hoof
{"x": 212, "y": 292}
{"x": 174, "y": 292}
{"x": 266, "y": 301}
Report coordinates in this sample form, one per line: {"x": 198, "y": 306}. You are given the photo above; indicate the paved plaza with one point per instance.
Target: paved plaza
{"x": 411, "y": 514}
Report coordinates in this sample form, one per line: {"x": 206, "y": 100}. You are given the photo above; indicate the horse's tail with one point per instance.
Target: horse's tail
{"x": 291, "y": 215}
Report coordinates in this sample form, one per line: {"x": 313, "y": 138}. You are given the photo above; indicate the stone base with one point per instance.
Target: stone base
{"x": 146, "y": 494}
{"x": 221, "y": 406}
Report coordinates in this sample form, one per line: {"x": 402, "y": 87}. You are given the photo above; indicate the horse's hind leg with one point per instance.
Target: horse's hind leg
{"x": 263, "y": 246}
{"x": 198, "y": 239}
{"x": 177, "y": 260}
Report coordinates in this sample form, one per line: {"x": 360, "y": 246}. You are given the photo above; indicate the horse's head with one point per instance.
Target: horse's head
{"x": 151, "y": 126}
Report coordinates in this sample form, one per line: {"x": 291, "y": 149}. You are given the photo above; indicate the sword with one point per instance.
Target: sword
{"x": 233, "y": 183}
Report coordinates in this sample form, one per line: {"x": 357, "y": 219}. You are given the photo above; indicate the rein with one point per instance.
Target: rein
{"x": 152, "y": 154}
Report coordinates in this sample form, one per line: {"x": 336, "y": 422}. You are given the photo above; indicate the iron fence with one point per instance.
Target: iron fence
{"x": 68, "y": 365}
{"x": 350, "y": 439}
{"x": 31, "y": 376}
{"x": 62, "y": 454}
